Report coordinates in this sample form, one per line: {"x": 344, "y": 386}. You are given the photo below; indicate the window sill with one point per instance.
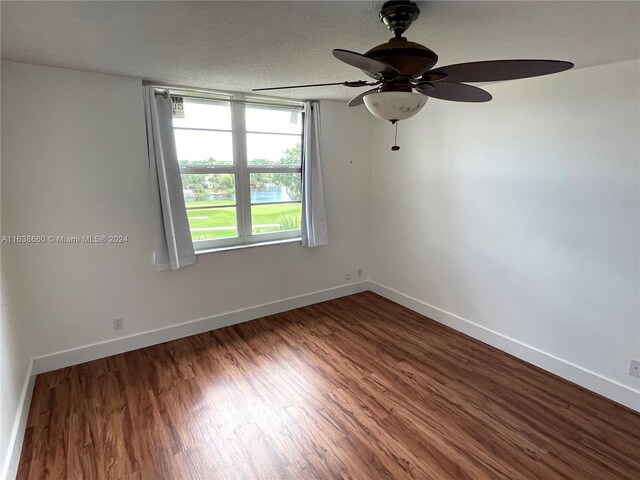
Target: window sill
{"x": 248, "y": 245}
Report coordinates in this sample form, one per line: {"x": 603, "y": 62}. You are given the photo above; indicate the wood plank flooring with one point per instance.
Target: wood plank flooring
{"x": 357, "y": 387}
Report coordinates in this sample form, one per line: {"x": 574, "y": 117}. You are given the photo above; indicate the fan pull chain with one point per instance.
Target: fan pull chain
{"x": 395, "y": 147}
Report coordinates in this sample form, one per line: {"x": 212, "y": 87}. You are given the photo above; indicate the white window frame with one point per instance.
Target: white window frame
{"x": 241, "y": 169}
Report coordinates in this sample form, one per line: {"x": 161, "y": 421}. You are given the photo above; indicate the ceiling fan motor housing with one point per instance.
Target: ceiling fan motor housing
{"x": 395, "y": 86}
{"x": 410, "y": 58}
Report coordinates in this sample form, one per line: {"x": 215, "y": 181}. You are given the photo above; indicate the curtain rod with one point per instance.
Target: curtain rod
{"x": 193, "y": 92}
{"x": 265, "y": 103}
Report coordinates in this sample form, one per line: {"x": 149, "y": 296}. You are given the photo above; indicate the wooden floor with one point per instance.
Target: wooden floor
{"x": 357, "y": 387}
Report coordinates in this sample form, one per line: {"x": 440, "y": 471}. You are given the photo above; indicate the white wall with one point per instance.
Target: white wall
{"x": 74, "y": 162}
{"x": 15, "y": 360}
{"x": 14, "y": 366}
{"x": 522, "y": 215}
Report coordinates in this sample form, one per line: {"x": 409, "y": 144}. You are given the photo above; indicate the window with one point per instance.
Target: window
{"x": 241, "y": 164}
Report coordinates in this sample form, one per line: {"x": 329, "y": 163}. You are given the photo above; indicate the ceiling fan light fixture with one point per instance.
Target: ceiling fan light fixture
{"x": 394, "y": 106}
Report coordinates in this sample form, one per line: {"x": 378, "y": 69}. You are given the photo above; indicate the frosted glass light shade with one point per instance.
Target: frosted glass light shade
{"x": 394, "y": 105}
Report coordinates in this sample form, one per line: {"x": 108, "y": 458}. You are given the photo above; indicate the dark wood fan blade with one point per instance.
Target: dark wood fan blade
{"x": 431, "y": 77}
{"x": 359, "y": 83}
{"x": 423, "y": 85}
{"x": 372, "y": 67}
{"x": 498, "y": 70}
{"x": 456, "y": 92}
{"x": 359, "y": 100}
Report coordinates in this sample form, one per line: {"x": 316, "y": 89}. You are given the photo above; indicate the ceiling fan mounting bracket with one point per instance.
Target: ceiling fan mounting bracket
{"x": 398, "y": 15}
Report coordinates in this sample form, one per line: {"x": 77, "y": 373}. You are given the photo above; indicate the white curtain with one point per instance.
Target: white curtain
{"x": 174, "y": 248}
{"x": 314, "y": 217}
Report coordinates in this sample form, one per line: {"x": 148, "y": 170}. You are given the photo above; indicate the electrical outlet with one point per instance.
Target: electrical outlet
{"x": 634, "y": 368}
{"x": 359, "y": 272}
{"x": 118, "y": 323}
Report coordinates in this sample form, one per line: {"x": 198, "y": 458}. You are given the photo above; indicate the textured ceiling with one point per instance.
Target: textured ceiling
{"x": 239, "y": 45}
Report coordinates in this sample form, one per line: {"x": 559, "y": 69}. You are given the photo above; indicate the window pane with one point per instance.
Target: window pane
{"x": 275, "y": 187}
{"x": 211, "y": 223}
{"x": 265, "y": 149}
{"x": 217, "y": 191}
{"x": 205, "y": 114}
{"x": 208, "y": 190}
{"x": 203, "y": 148}
{"x": 273, "y": 120}
{"x": 275, "y": 218}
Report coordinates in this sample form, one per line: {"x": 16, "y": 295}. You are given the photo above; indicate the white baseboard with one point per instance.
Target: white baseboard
{"x": 611, "y": 389}
{"x": 107, "y": 348}
{"x": 10, "y": 468}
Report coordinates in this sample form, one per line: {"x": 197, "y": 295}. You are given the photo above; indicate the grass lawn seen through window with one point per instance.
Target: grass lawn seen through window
{"x": 220, "y": 222}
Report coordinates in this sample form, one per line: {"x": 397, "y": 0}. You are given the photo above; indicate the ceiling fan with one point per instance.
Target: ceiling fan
{"x": 404, "y": 76}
